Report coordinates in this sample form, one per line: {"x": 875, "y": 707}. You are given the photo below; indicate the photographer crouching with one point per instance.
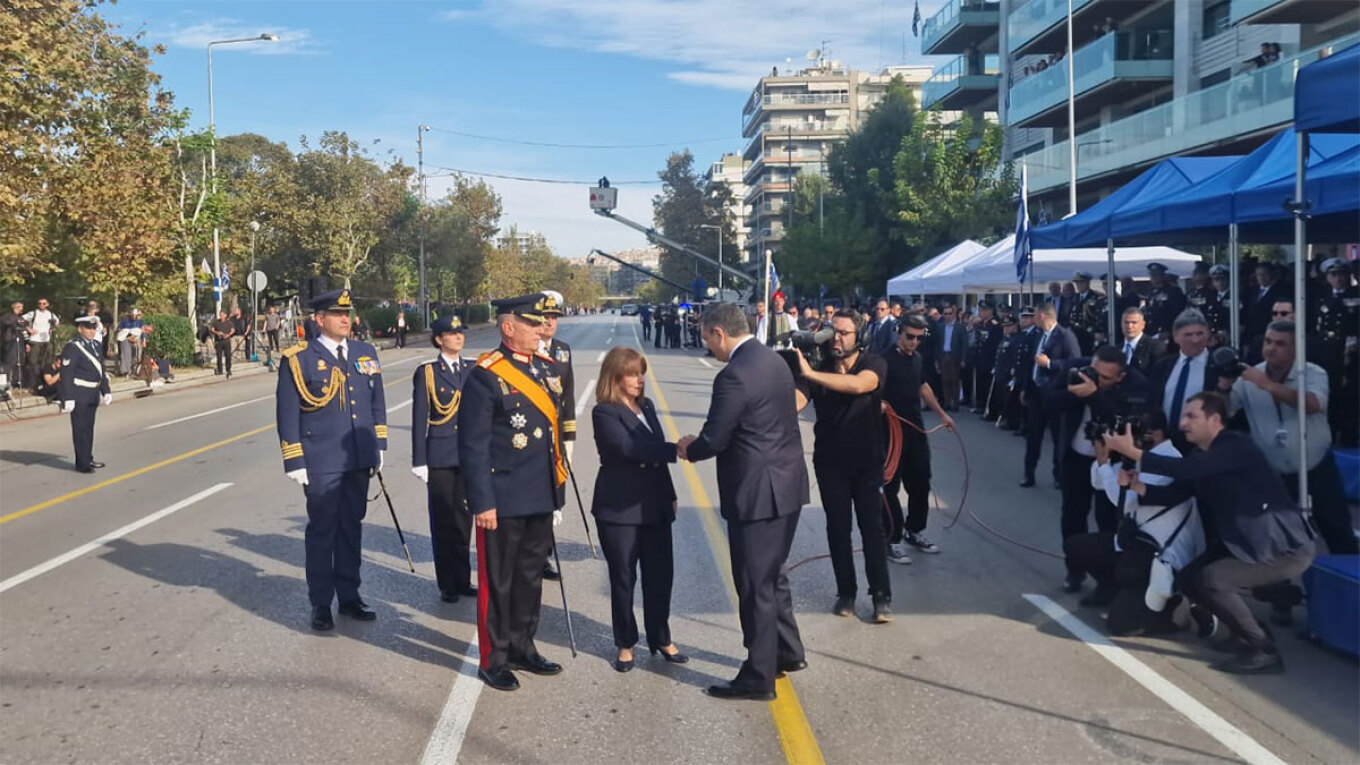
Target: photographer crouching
{"x": 1100, "y": 391}
{"x": 1134, "y": 566}
{"x": 1257, "y": 534}
{"x": 847, "y": 455}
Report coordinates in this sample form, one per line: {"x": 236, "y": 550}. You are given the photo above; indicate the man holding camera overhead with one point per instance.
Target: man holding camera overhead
{"x": 1100, "y": 392}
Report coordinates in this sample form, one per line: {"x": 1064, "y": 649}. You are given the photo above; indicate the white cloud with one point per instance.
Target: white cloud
{"x": 720, "y": 43}
{"x": 197, "y": 36}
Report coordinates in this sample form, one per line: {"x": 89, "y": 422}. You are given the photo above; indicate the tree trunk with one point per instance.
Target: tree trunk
{"x": 191, "y": 302}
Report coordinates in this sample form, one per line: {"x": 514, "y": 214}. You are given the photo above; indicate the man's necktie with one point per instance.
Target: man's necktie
{"x": 1178, "y": 398}
{"x": 1128, "y": 352}
{"x": 340, "y": 354}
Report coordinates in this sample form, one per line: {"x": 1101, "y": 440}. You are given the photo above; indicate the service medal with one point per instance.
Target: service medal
{"x": 555, "y": 384}
{"x": 518, "y": 421}
{"x": 563, "y": 356}
{"x": 519, "y": 441}
{"x": 538, "y": 432}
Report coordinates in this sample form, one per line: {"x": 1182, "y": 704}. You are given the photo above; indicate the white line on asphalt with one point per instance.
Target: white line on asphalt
{"x": 600, "y": 358}
{"x": 1226, "y": 733}
{"x": 705, "y": 363}
{"x": 209, "y": 412}
{"x": 43, "y": 568}
{"x": 584, "y": 398}
{"x": 446, "y": 740}
{"x": 402, "y": 405}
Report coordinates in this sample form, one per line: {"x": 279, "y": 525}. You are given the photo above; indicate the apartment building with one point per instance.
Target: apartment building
{"x": 730, "y": 171}
{"x": 790, "y": 122}
{"x": 1151, "y": 79}
{"x": 522, "y": 241}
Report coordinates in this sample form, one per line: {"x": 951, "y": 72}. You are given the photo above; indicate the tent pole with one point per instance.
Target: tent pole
{"x": 1301, "y": 311}
{"x": 1110, "y": 303}
{"x": 1234, "y": 289}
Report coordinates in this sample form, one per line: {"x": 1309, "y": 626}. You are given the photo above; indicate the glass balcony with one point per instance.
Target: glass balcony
{"x": 959, "y": 25}
{"x": 1122, "y": 58}
{"x": 954, "y": 87}
{"x": 1288, "y": 11}
{"x": 1248, "y": 103}
{"x": 1034, "y": 18}
{"x": 1241, "y": 9}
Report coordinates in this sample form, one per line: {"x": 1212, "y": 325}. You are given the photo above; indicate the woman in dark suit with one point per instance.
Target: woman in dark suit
{"x": 634, "y": 504}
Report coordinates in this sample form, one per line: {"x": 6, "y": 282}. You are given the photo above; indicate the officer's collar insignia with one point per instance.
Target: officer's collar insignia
{"x": 520, "y": 357}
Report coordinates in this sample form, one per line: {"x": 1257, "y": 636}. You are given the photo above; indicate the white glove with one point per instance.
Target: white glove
{"x": 557, "y": 518}
{"x": 422, "y": 472}
{"x": 67, "y": 407}
{"x": 298, "y": 476}
{"x": 380, "y": 459}
{"x": 108, "y": 399}
{"x": 567, "y": 447}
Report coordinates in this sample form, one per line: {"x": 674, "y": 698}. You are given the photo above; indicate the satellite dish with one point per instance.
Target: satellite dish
{"x": 813, "y": 54}
{"x": 835, "y": 65}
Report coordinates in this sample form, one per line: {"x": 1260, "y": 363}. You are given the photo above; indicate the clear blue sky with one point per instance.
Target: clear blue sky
{"x": 559, "y": 71}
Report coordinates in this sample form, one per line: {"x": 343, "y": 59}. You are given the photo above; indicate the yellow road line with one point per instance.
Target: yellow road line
{"x": 144, "y": 470}
{"x": 795, "y": 734}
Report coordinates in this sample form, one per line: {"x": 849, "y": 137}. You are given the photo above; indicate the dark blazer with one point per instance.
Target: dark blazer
{"x": 1146, "y": 353}
{"x": 880, "y": 336}
{"x": 633, "y": 486}
{"x": 1062, "y": 345}
{"x": 1256, "y": 309}
{"x": 958, "y": 341}
{"x": 752, "y": 428}
{"x": 436, "y": 445}
{"x": 1242, "y": 499}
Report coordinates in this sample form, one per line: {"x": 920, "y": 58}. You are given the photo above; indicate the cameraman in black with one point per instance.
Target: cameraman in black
{"x": 1099, "y": 389}
{"x": 847, "y": 455}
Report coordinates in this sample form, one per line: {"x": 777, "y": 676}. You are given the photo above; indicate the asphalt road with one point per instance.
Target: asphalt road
{"x": 156, "y": 612}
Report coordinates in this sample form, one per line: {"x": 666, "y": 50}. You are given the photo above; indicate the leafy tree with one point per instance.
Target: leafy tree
{"x": 685, "y": 204}
{"x": 460, "y": 230}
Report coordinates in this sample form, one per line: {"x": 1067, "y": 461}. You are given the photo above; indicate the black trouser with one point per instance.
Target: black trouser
{"x": 660, "y": 332}
{"x": 223, "y": 348}
{"x": 998, "y": 398}
{"x": 1127, "y": 572}
{"x": 401, "y": 337}
{"x": 1215, "y": 581}
{"x": 272, "y": 335}
{"x": 861, "y": 489}
{"x": 913, "y": 474}
{"x": 82, "y": 429}
{"x": 758, "y": 551}
{"x": 646, "y": 330}
{"x": 14, "y": 362}
{"x": 510, "y": 586}
{"x": 982, "y": 386}
{"x": 450, "y": 529}
{"x": 625, "y": 548}
{"x": 336, "y": 505}
{"x": 1037, "y": 422}
{"x": 39, "y": 358}
{"x": 1076, "y": 503}
{"x": 1331, "y": 513}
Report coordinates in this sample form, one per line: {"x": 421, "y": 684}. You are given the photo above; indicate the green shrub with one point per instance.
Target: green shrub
{"x": 172, "y": 338}
{"x": 382, "y": 320}
{"x": 477, "y": 313}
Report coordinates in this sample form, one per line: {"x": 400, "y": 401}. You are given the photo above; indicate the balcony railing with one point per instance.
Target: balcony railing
{"x": 1093, "y": 65}
{"x": 792, "y": 99}
{"x": 950, "y": 17}
{"x": 949, "y": 78}
{"x": 1250, "y": 102}
{"x": 1035, "y": 17}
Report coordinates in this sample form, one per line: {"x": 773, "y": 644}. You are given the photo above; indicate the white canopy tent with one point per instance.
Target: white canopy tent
{"x": 950, "y": 280}
{"x": 993, "y": 269}
{"x": 910, "y": 282}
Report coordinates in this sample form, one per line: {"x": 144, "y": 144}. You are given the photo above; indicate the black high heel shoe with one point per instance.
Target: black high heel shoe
{"x": 622, "y": 666}
{"x": 673, "y": 658}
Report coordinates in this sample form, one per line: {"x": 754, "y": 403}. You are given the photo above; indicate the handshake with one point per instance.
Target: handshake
{"x": 682, "y": 445}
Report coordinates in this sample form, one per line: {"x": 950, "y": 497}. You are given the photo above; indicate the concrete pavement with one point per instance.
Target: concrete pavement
{"x": 185, "y": 638}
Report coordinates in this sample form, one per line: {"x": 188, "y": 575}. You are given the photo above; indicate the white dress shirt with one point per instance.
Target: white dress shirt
{"x": 335, "y": 348}
{"x": 1194, "y": 384}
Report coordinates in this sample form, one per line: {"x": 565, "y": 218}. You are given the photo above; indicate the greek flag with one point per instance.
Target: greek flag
{"x": 1022, "y": 248}
{"x": 916, "y": 19}
{"x": 774, "y": 278}
{"x": 226, "y": 278}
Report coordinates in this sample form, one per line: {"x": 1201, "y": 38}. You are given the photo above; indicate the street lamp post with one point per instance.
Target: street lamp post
{"x": 212, "y": 152}
{"x": 420, "y": 178}
{"x": 1071, "y": 120}
{"x": 719, "y": 229}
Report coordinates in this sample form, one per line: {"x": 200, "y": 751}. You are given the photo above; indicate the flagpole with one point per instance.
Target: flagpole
{"x": 769, "y": 328}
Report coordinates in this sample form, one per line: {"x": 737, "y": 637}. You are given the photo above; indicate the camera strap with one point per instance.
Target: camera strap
{"x": 1174, "y": 533}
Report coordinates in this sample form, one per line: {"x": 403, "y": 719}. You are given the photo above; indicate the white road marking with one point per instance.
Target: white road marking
{"x": 402, "y": 405}
{"x": 1226, "y": 733}
{"x": 43, "y": 568}
{"x": 600, "y": 358}
{"x": 209, "y": 412}
{"x": 705, "y": 363}
{"x": 446, "y": 740}
{"x": 584, "y": 397}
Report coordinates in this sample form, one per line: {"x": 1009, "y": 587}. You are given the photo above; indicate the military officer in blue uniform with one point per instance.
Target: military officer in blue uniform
{"x": 560, "y": 353}
{"x": 1165, "y": 301}
{"x": 436, "y": 398}
{"x": 82, "y": 385}
{"x": 509, "y": 446}
{"x": 332, "y": 421}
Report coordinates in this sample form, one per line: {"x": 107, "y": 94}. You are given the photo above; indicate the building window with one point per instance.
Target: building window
{"x": 1216, "y": 19}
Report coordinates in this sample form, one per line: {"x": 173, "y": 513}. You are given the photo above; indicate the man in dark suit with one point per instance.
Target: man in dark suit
{"x": 1260, "y": 537}
{"x": 1176, "y": 378}
{"x": 951, "y": 348}
{"x": 1055, "y": 344}
{"x": 880, "y": 335}
{"x": 1257, "y": 305}
{"x": 1141, "y": 350}
{"x": 752, "y": 428}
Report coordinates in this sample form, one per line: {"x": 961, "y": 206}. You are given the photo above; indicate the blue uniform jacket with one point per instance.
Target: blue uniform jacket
{"x": 335, "y": 420}
{"x": 82, "y": 378}
{"x": 505, "y": 444}
{"x": 434, "y": 434}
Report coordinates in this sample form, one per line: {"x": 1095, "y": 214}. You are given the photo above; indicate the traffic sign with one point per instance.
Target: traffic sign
{"x": 257, "y": 280}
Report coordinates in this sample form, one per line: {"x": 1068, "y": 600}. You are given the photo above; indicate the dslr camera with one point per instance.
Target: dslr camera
{"x": 1074, "y": 375}
{"x": 1136, "y": 422}
{"x": 1227, "y": 362}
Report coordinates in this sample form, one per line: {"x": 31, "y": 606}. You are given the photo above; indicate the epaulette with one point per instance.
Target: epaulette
{"x": 487, "y": 359}
{"x": 293, "y": 350}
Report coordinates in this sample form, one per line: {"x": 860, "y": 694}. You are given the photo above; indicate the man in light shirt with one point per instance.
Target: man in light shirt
{"x": 1191, "y": 371}
{"x": 41, "y": 322}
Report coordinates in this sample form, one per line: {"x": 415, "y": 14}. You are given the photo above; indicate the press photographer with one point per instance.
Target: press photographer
{"x": 1100, "y": 393}
{"x": 847, "y": 455}
{"x": 1135, "y": 565}
{"x": 1258, "y": 536}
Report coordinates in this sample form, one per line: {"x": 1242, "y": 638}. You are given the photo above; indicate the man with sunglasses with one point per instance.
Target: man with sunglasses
{"x": 903, "y": 389}
{"x": 882, "y": 331}
{"x": 41, "y": 322}
{"x": 1283, "y": 310}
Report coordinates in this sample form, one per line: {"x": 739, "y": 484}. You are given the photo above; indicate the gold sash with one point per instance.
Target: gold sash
{"x": 500, "y": 366}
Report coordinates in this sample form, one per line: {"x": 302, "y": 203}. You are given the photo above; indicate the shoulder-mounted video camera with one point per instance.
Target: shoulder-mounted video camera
{"x": 815, "y": 345}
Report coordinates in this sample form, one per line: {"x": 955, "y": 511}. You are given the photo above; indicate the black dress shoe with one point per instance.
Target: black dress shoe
{"x": 358, "y": 610}
{"x": 1027, "y": 483}
{"x": 673, "y": 658}
{"x": 785, "y": 667}
{"x": 469, "y": 591}
{"x": 536, "y": 664}
{"x": 844, "y": 605}
{"x": 1259, "y": 661}
{"x": 1073, "y": 584}
{"x": 84, "y": 469}
{"x": 448, "y": 596}
{"x": 500, "y": 678}
{"x": 321, "y": 618}
{"x": 97, "y": 465}
{"x": 621, "y": 665}
{"x": 550, "y": 573}
{"x": 730, "y": 691}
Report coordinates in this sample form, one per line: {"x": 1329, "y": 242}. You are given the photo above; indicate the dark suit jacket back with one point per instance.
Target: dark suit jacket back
{"x": 1240, "y": 496}
{"x": 634, "y": 484}
{"x": 752, "y": 428}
